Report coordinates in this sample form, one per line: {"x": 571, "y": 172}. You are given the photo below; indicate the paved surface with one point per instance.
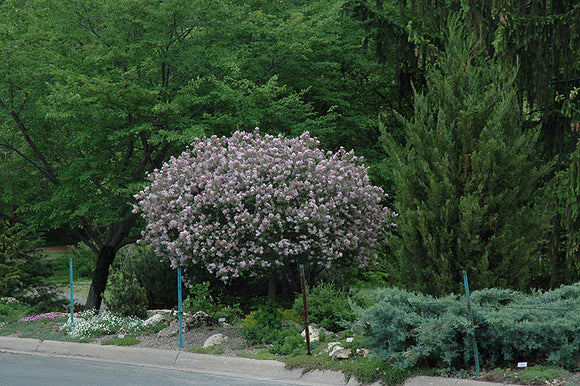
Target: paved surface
{"x": 260, "y": 370}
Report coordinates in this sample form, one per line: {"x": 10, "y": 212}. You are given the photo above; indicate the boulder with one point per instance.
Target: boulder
{"x": 199, "y": 319}
{"x": 362, "y": 352}
{"x": 169, "y": 314}
{"x": 314, "y": 331}
{"x": 155, "y": 320}
{"x": 329, "y": 347}
{"x": 171, "y": 330}
{"x": 215, "y": 340}
{"x": 339, "y": 352}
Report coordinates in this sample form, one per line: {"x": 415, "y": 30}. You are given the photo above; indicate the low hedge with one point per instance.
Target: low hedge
{"x": 415, "y": 330}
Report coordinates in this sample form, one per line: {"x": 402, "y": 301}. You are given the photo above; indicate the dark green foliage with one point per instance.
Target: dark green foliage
{"x": 415, "y": 330}
{"x": 42, "y": 299}
{"x": 328, "y": 306}
{"x": 125, "y": 296}
{"x": 84, "y": 261}
{"x": 21, "y": 265}
{"x": 157, "y": 277}
{"x": 371, "y": 369}
{"x": 568, "y": 200}
{"x": 288, "y": 342}
{"x": 467, "y": 188}
{"x": 201, "y": 299}
{"x": 262, "y": 326}
{"x": 12, "y": 308}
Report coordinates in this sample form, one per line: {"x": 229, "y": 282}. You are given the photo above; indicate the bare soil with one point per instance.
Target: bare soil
{"x": 195, "y": 339}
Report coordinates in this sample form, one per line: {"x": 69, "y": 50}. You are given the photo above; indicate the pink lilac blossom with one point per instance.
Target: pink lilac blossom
{"x": 251, "y": 203}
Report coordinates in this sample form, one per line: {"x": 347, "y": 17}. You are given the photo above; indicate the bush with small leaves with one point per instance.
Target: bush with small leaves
{"x": 125, "y": 296}
{"x": 263, "y": 325}
{"x": 156, "y": 276}
{"x": 21, "y": 265}
{"x": 328, "y": 306}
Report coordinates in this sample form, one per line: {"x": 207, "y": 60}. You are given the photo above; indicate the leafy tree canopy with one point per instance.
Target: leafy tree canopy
{"x": 94, "y": 94}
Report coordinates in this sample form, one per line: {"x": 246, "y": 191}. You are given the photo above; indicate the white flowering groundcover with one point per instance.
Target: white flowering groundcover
{"x": 89, "y": 324}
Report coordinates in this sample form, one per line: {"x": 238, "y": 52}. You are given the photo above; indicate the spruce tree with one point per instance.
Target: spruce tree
{"x": 464, "y": 176}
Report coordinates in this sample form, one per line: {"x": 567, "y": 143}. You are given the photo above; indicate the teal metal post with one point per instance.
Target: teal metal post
{"x": 179, "y": 308}
{"x": 72, "y": 300}
{"x": 475, "y": 353}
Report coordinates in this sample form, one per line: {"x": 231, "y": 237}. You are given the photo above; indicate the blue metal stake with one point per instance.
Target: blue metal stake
{"x": 475, "y": 353}
{"x": 179, "y": 309}
{"x": 72, "y": 301}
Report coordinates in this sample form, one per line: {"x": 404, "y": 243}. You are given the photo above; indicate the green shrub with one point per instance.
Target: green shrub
{"x": 201, "y": 299}
{"x": 125, "y": 297}
{"x": 10, "y": 307}
{"x": 328, "y": 306}
{"x": 288, "y": 342}
{"x": 404, "y": 328}
{"x": 41, "y": 299}
{"x": 156, "y": 276}
{"x": 411, "y": 329}
{"x": 20, "y": 263}
{"x": 262, "y": 326}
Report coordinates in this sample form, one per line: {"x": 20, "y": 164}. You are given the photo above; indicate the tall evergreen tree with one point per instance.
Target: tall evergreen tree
{"x": 464, "y": 177}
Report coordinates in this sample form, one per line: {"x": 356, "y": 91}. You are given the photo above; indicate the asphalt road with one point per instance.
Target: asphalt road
{"x": 33, "y": 370}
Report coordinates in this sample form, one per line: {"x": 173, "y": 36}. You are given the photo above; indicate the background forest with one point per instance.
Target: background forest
{"x": 465, "y": 111}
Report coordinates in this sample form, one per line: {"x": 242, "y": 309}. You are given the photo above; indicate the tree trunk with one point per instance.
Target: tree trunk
{"x": 272, "y": 288}
{"x": 100, "y": 276}
{"x": 116, "y": 237}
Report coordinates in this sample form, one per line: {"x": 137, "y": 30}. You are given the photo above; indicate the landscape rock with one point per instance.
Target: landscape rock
{"x": 169, "y": 331}
{"x": 329, "y": 347}
{"x": 314, "y": 332}
{"x": 215, "y": 340}
{"x": 339, "y": 352}
{"x": 199, "y": 319}
{"x": 155, "y": 320}
{"x": 362, "y": 352}
{"x": 169, "y": 314}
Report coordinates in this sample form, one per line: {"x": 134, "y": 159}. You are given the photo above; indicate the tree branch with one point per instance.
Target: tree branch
{"x": 47, "y": 169}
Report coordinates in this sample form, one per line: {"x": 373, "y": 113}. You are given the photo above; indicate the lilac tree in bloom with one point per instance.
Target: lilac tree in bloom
{"x": 256, "y": 205}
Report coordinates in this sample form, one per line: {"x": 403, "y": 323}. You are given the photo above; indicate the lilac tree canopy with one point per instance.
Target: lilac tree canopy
{"x": 250, "y": 204}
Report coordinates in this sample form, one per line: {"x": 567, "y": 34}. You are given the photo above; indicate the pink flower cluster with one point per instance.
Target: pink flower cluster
{"x": 32, "y": 318}
{"x": 251, "y": 203}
